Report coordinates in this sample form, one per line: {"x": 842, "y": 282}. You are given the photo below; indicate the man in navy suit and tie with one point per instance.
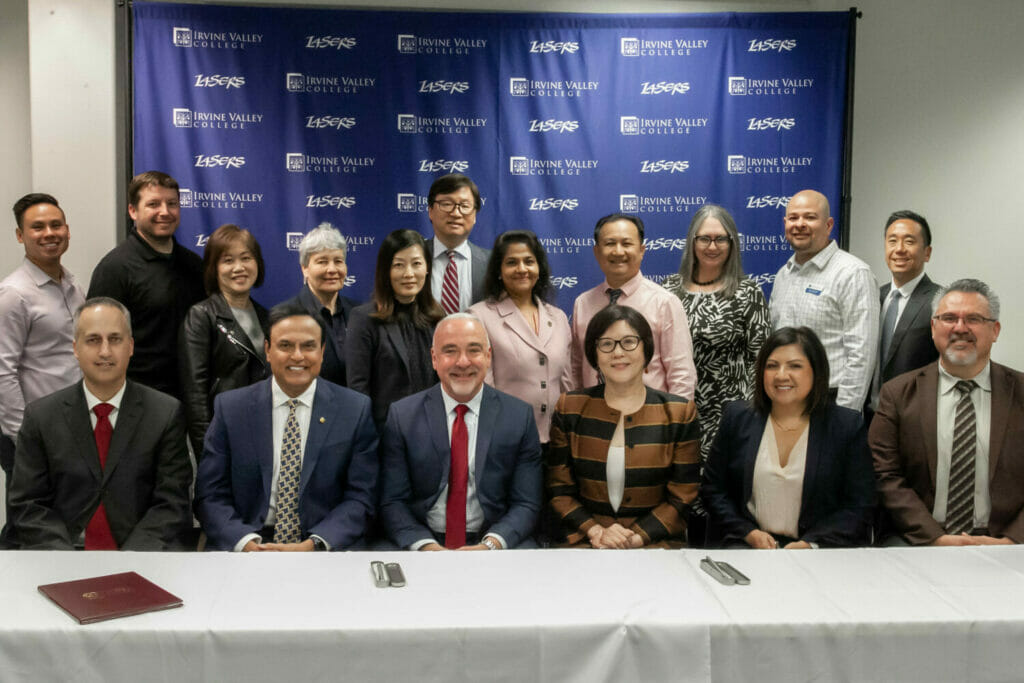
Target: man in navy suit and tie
{"x": 459, "y": 266}
{"x": 460, "y": 462}
{"x": 289, "y": 463}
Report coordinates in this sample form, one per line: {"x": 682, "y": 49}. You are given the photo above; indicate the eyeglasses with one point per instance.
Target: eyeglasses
{"x": 971, "y": 320}
{"x": 607, "y": 344}
{"x": 447, "y": 205}
{"x": 705, "y": 241}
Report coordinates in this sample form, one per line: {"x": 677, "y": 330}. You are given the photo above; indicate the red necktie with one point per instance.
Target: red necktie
{"x": 450, "y": 286}
{"x": 458, "y": 482}
{"x": 97, "y": 533}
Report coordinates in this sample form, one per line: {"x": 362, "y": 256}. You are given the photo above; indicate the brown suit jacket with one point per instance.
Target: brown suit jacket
{"x": 903, "y": 443}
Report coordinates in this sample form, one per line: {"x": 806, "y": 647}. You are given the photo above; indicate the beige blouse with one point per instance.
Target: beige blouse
{"x": 777, "y": 491}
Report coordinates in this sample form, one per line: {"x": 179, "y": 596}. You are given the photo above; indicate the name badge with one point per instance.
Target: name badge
{"x": 813, "y": 290}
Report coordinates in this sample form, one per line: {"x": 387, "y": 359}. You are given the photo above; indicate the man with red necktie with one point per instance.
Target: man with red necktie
{"x": 102, "y": 464}
{"x": 459, "y": 266}
{"x": 460, "y": 462}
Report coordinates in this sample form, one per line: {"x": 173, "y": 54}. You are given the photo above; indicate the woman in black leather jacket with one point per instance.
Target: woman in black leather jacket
{"x": 221, "y": 341}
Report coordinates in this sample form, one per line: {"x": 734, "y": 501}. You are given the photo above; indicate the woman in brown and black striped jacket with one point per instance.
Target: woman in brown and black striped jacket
{"x": 623, "y": 464}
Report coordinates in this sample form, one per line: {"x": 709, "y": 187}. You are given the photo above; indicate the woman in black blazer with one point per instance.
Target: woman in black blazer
{"x": 790, "y": 469}
{"x": 221, "y": 339}
{"x": 387, "y": 348}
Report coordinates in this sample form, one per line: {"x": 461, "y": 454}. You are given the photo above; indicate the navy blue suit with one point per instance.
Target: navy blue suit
{"x": 416, "y": 456}
{"x": 839, "y": 481}
{"x": 337, "y": 488}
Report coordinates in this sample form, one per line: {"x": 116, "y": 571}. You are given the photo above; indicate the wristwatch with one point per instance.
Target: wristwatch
{"x": 318, "y": 543}
{"x": 490, "y": 543}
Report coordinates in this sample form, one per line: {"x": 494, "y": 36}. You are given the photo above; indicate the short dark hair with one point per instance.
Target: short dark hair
{"x": 608, "y": 316}
{"x": 30, "y": 200}
{"x": 635, "y": 220}
{"x": 493, "y": 286}
{"x": 425, "y": 310}
{"x": 926, "y": 231}
{"x": 447, "y": 184}
{"x": 290, "y": 309}
{"x": 146, "y": 179}
{"x": 811, "y": 346}
{"x": 219, "y": 242}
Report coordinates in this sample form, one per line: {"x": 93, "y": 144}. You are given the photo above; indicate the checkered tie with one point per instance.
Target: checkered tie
{"x": 286, "y": 529}
{"x": 960, "y": 508}
{"x": 450, "y": 286}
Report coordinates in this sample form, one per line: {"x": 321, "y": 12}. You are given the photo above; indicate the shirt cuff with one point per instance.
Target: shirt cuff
{"x": 419, "y": 544}
{"x": 498, "y": 538}
{"x": 245, "y": 539}
{"x": 323, "y": 540}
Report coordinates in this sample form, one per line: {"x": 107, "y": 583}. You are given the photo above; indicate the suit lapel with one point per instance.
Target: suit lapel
{"x": 927, "y": 394}
{"x": 750, "y": 454}
{"x": 76, "y": 413}
{"x": 259, "y": 424}
{"x": 322, "y": 409}
{"x": 395, "y": 337}
{"x": 437, "y": 422}
{"x": 129, "y": 417}
{"x": 1002, "y": 399}
{"x": 913, "y": 308}
{"x": 514, "y": 321}
{"x": 815, "y": 448}
{"x": 484, "y": 429}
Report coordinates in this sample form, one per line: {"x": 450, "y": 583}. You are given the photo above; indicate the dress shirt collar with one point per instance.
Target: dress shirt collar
{"x": 279, "y": 398}
{"x": 473, "y": 403}
{"x": 908, "y": 289}
{"x": 462, "y": 250}
{"x": 91, "y": 401}
{"x": 820, "y": 259}
{"x": 629, "y": 287}
{"x": 947, "y": 382}
{"x": 40, "y": 277}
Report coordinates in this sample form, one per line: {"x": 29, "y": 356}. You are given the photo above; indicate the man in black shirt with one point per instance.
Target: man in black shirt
{"x": 156, "y": 278}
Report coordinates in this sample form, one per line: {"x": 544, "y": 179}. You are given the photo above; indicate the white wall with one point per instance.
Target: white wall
{"x": 939, "y": 91}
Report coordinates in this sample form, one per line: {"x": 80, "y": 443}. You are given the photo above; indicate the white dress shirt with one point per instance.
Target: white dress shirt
{"x": 835, "y": 295}
{"x": 437, "y": 515}
{"x": 91, "y": 401}
{"x": 463, "y": 265}
{"x": 279, "y": 418}
{"x": 948, "y": 398}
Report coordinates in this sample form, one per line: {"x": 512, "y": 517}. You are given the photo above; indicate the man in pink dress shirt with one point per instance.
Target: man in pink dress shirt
{"x": 619, "y": 249}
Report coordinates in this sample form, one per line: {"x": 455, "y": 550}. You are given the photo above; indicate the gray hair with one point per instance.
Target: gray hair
{"x": 102, "y": 301}
{"x": 324, "y": 237}
{"x": 732, "y": 269}
{"x": 969, "y": 285}
{"x": 463, "y": 315}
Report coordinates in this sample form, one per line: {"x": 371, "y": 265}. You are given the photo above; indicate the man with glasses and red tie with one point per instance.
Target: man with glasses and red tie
{"x": 102, "y": 464}
{"x": 948, "y": 439}
{"x": 460, "y": 462}
{"x": 459, "y": 266}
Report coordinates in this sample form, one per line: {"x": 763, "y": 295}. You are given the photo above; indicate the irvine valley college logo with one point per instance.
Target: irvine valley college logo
{"x": 197, "y": 199}
{"x": 439, "y": 125}
{"x": 549, "y": 167}
{"x": 677, "y": 125}
{"x": 526, "y": 87}
{"x": 741, "y": 85}
{"x": 677, "y": 47}
{"x": 330, "y": 85}
{"x": 738, "y": 164}
{"x": 225, "y": 120}
{"x": 411, "y": 203}
{"x": 409, "y": 44}
{"x": 633, "y": 203}
{"x": 297, "y": 162}
{"x": 183, "y": 36}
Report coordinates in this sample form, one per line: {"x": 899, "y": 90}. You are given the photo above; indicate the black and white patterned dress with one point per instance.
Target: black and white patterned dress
{"x": 727, "y": 335}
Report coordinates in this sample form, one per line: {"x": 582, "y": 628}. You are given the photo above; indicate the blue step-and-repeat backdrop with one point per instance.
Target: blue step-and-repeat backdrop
{"x": 278, "y": 119}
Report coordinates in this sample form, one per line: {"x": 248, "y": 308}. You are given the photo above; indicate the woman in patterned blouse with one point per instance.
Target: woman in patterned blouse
{"x": 727, "y": 313}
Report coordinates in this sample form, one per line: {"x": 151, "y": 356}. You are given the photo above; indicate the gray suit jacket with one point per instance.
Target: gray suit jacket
{"x": 58, "y": 483}
{"x": 478, "y": 269}
{"x": 912, "y": 345}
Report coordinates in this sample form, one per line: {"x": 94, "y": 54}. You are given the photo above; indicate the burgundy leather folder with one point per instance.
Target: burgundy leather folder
{"x": 109, "y": 597}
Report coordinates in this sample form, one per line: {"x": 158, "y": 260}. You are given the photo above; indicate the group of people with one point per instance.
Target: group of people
{"x": 459, "y": 408}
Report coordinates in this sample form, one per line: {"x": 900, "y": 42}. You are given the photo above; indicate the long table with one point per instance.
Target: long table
{"x": 914, "y": 614}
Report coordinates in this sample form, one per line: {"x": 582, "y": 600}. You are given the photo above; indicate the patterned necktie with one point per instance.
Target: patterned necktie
{"x": 960, "y": 508}
{"x": 889, "y": 325}
{"x": 97, "y": 533}
{"x": 286, "y": 529}
{"x": 458, "y": 482}
{"x": 450, "y": 286}
{"x": 613, "y": 295}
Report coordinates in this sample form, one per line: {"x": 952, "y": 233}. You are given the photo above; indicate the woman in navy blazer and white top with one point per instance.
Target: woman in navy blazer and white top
{"x": 791, "y": 468}
{"x": 530, "y": 338}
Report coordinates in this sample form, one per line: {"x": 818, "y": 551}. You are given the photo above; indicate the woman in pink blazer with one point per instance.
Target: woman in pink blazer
{"x": 530, "y": 337}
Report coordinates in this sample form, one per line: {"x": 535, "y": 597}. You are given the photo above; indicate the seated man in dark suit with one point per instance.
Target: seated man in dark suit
{"x": 289, "y": 463}
{"x": 948, "y": 439}
{"x": 460, "y": 462}
{"x": 103, "y": 463}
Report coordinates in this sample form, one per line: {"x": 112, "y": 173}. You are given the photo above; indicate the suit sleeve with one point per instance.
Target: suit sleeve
{"x": 912, "y": 519}
{"x": 398, "y": 520}
{"x": 360, "y": 349}
{"x": 346, "y": 524}
{"x": 668, "y": 520}
{"x": 722, "y": 485}
{"x": 194, "y": 344}
{"x": 526, "y": 488}
{"x": 848, "y": 524}
{"x": 168, "y": 517}
{"x": 562, "y": 489}
{"x": 37, "y": 525}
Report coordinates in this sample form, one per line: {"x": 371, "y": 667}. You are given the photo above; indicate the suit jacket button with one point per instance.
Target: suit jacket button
{"x": 543, "y": 384}
{"x": 543, "y": 407}
{"x": 543, "y": 360}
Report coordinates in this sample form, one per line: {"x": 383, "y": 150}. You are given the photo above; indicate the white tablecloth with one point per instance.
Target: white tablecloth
{"x": 872, "y": 615}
